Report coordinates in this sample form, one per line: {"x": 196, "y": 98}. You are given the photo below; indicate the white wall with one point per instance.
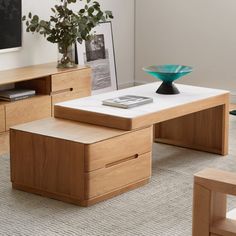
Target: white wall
{"x": 37, "y": 50}
{"x": 201, "y": 33}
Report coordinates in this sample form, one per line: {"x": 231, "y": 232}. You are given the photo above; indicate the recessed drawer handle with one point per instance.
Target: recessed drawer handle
{"x": 62, "y": 91}
{"x": 121, "y": 161}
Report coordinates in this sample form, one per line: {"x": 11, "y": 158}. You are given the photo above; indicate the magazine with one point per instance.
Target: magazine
{"x": 127, "y": 101}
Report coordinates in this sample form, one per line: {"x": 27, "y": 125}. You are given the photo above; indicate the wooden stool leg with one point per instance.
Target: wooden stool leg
{"x": 201, "y": 211}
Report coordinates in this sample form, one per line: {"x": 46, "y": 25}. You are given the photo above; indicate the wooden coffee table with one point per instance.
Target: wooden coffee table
{"x": 97, "y": 152}
{"x": 196, "y": 118}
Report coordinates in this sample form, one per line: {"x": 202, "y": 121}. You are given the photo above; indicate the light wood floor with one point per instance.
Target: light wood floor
{"x": 4, "y": 144}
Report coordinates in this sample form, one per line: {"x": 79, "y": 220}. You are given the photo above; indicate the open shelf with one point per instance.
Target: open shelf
{"x": 50, "y": 84}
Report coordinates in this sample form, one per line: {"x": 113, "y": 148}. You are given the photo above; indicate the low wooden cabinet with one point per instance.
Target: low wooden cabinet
{"x": 52, "y": 85}
{"x": 77, "y": 162}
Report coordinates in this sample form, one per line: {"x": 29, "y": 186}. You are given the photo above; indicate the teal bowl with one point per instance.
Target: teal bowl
{"x": 167, "y": 74}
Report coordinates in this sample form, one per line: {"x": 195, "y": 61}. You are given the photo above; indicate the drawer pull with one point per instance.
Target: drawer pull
{"x": 62, "y": 91}
{"x": 122, "y": 160}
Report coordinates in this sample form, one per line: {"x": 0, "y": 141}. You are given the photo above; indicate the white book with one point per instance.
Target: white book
{"x": 127, "y": 101}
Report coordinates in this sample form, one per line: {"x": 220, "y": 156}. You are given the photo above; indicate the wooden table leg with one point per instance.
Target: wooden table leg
{"x": 206, "y": 130}
{"x": 201, "y": 211}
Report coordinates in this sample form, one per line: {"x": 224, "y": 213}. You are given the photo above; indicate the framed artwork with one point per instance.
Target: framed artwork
{"x": 99, "y": 54}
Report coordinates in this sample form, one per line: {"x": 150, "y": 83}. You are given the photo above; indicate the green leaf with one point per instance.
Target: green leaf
{"x": 99, "y": 14}
{"x": 32, "y": 28}
{"x": 91, "y": 10}
{"x": 35, "y": 18}
{"x": 66, "y": 26}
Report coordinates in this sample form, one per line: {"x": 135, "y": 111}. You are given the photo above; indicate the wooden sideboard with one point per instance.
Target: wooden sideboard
{"x": 51, "y": 84}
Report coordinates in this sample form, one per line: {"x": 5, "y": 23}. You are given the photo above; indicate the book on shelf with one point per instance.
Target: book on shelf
{"x": 127, "y": 101}
{"x": 16, "y": 94}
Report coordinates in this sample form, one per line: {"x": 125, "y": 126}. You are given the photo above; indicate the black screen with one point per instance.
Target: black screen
{"x": 10, "y": 24}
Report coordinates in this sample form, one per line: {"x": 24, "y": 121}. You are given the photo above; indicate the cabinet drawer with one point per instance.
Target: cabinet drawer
{"x": 2, "y": 119}
{"x": 114, "y": 177}
{"x": 72, "y": 80}
{"x": 98, "y": 155}
{"x": 27, "y": 110}
{"x": 69, "y": 95}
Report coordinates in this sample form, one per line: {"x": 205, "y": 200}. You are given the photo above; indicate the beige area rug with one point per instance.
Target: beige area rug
{"x": 163, "y": 207}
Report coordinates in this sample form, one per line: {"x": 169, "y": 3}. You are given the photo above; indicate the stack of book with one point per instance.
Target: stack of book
{"x": 16, "y": 94}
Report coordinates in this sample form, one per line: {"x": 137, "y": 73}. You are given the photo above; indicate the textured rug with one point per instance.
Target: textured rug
{"x": 163, "y": 207}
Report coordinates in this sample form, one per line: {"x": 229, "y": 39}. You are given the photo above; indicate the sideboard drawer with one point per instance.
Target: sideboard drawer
{"x": 113, "y": 177}
{"x": 72, "y": 80}
{"x": 98, "y": 155}
{"x": 69, "y": 95}
{"x": 27, "y": 110}
{"x": 2, "y": 119}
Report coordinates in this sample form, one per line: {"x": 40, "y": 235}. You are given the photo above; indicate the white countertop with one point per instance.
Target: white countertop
{"x": 188, "y": 94}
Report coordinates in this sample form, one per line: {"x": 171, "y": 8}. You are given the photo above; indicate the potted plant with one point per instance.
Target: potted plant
{"x": 66, "y": 26}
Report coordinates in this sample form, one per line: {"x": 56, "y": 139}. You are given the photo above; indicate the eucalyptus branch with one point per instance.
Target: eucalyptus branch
{"x": 66, "y": 26}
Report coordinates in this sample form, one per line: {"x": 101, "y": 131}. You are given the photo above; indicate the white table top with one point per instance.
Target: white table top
{"x": 188, "y": 94}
